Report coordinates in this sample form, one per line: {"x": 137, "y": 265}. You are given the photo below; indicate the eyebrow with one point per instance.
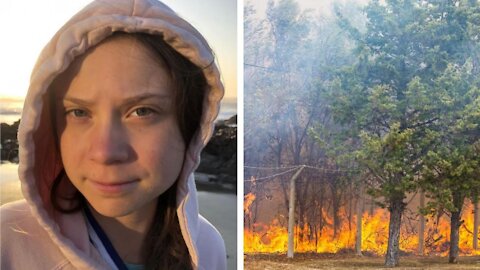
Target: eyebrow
{"x": 125, "y": 102}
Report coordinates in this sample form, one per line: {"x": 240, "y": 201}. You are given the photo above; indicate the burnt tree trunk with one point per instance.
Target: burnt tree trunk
{"x": 350, "y": 210}
{"x": 336, "y": 205}
{"x": 314, "y": 215}
{"x": 421, "y": 230}
{"x": 301, "y": 217}
{"x": 320, "y": 207}
{"x": 476, "y": 219}
{"x": 336, "y": 208}
{"x": 358, "y": 237}
{"x": 393, "y": 249}
{"x": 302, "y": 200}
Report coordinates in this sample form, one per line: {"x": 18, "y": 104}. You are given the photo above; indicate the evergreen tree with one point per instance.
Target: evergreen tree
{"x": 393, "y": 95}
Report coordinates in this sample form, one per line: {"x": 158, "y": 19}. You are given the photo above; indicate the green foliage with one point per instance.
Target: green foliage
{"x": 412, "y": 98}
{"x": 451, "y": 167}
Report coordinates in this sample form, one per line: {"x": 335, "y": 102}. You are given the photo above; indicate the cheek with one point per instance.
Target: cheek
{"x": 67, "y": 147}
{"x": 162, "y": 154}
{"x": 71, "y": 150}
{"x": 69, "y": 142}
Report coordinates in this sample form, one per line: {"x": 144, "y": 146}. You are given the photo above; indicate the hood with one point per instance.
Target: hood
{"x": 39, "y": 162}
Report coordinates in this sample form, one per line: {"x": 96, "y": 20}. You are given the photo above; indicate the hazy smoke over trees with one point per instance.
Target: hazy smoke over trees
{"x": 383, "y": 97}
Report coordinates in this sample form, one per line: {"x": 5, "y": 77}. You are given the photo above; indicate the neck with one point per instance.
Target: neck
{"x": 127, "y": 233}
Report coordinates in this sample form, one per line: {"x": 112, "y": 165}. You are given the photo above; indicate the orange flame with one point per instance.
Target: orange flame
{"x": 273, "y": 237}
{"x": 247, "y": 202}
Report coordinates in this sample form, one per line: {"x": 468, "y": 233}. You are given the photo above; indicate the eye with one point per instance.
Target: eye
{"x": 142, "y": 112}
{"x": 79, "y": 113}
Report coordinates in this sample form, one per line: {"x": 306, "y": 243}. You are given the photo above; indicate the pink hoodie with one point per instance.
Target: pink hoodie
{"x": 33, "y": 234}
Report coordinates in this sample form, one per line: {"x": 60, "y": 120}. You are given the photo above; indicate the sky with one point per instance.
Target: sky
{"x": 28, "y": 25}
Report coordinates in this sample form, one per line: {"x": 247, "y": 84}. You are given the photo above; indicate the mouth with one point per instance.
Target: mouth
{"x": 114, "y": 187}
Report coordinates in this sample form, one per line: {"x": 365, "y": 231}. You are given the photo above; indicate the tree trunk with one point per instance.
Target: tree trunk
{"x": 358, "y": 237}
{"x": 314, "y": 215}
{"x": 396, "y": 210}
{"x": 255, "y": 209}
{"x": 350, "y": 212}
{"x": 336, "y": 208}
{"x": 336, "y": 219}
{"x": 300, "y": 218}
{"x": 476, "y": 220}
{"x": 455, "y": 223}
{"x": 454, "y": 237}
{"x": 421, "y": 230}
{"x": 302, "y": 200}
{"x": 320, "y": 207}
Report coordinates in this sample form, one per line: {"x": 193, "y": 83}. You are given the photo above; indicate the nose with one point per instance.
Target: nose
{"x": 108, "y": 143}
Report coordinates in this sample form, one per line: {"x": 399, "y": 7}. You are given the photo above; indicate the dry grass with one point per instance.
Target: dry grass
{"x": 337, "y": 262}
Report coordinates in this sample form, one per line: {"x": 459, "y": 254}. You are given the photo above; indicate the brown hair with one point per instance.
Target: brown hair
{"x": 165, "y": 247}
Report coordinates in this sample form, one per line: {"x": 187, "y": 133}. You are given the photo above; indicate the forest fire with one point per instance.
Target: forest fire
{"x": 376, "y": 106}
{"x": 273, "y": 237}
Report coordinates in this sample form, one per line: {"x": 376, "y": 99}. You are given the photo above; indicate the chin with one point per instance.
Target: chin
{"x": 114, "y": 208}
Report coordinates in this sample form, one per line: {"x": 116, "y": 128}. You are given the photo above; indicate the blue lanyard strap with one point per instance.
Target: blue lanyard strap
{"x": 105, "y": 241}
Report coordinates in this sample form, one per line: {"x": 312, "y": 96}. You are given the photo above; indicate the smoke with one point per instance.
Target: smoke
{"x": 291, "y": 56}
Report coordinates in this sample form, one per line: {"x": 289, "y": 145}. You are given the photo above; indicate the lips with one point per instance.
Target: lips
{"x": 114, "y": 187}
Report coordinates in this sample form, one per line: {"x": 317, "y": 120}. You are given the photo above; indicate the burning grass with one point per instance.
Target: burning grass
{"x": 350, "y": 261}
{"x": 273, "y": 238}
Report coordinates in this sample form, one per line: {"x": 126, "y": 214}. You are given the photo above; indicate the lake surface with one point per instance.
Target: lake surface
{"x": 228, "y": 108}
{"x": 219, "y": 208}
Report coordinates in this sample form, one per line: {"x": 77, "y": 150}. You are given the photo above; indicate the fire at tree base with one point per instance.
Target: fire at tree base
{"x": 273, "y": 238}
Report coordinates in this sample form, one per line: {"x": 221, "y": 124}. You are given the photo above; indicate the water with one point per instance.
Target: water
{"x": 10, "y": 109}
{"x": 9, "y": 118}
{"x": 218, "y": 208}
{"x": 228, "y": 108}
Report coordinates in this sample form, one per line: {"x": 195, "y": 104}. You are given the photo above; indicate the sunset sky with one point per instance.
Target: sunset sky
{"x": 28, "y": 25}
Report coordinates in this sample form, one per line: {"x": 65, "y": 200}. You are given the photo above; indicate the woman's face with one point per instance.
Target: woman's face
{"x": 120, "y": 143}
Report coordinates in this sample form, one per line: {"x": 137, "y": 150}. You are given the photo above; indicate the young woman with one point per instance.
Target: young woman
{"x": 121, "y": 102}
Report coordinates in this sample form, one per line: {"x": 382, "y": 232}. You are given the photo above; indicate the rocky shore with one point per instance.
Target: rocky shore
{"x": 217, "y": 170}
{"x": 9, "y": 142}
